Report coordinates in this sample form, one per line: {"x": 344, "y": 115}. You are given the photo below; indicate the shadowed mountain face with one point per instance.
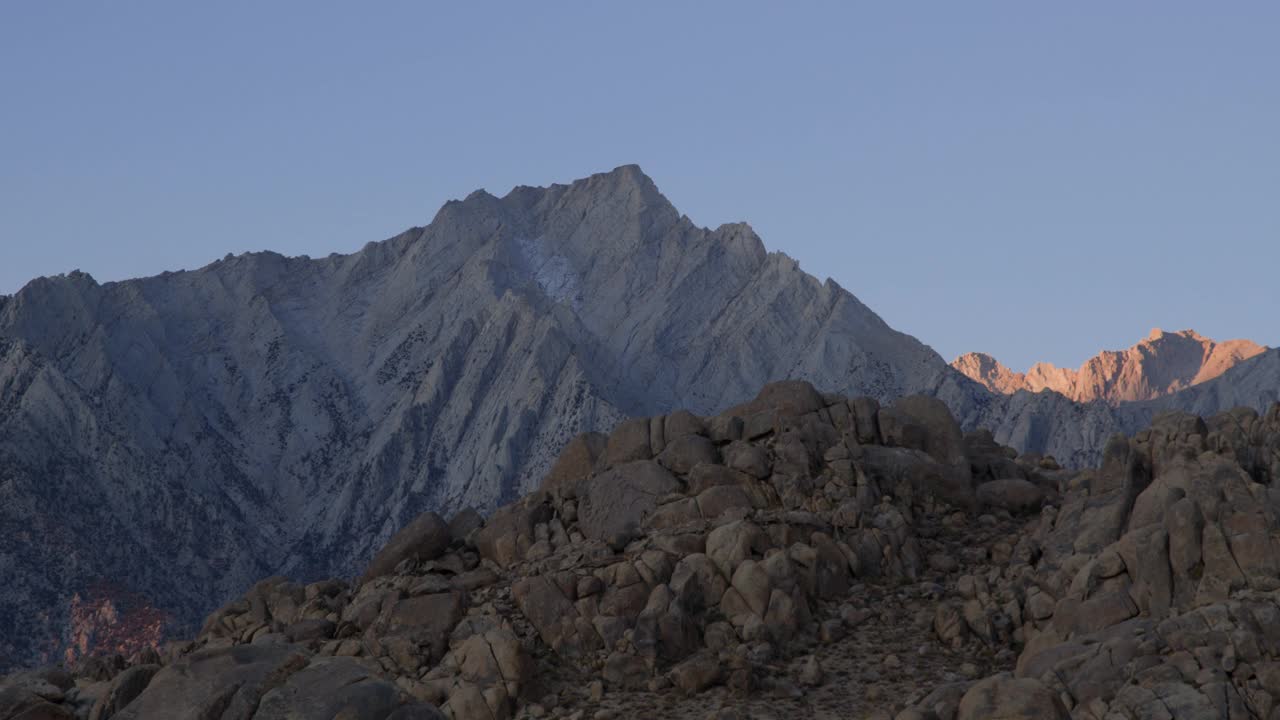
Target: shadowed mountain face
{"x": 1162, "y": 364}
{"x": 175, "y": 438}
{"x": 690, "y": 563}
{"x": 183, "y": 435}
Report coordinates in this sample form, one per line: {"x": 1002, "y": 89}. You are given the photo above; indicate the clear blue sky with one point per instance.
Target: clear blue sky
{"x": 1036, "y": 180}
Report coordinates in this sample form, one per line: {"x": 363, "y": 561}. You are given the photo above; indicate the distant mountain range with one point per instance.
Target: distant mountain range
{"x": 166, "y": 441}
{"x": 1161, "y": 364}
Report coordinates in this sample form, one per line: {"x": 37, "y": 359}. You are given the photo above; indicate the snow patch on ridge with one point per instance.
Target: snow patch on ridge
{"x": 552, "y": 272}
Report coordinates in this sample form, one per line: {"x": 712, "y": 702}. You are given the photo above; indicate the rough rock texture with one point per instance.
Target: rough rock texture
{"x": 1253, "y": 384}
{"x": 425, "y": 538}
{"x": 1154, "y": 585}
{"x": 1074, "y": 434}
{"x": 694, "y": 586}
{"x": 1160, "y": 365}
{"x": 844, "y": 577}
{"x": 289, "y": 414}
{"x": 1002, "y": 697}
{"x": 268, "y": 415}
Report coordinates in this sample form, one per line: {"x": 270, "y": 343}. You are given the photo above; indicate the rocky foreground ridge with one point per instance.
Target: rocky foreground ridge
{"x": 1161, "y": 364}
{"x": 800, "y": 555}
{"x": 287, "y": 415}
{"x": 268, "y": 415}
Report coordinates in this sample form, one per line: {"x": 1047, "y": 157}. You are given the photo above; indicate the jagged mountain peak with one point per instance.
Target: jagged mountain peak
{"x": 989, "y": 371}
{"x": 1160, "y": 364}
{"x": 1158, "y": 334}
{"x": 976, "y": 357}
{"x": 628, "y": 178}
{"x": 625, "y": 182}
{"x": 288, "y": 414}
{"x": 76, "y": 279}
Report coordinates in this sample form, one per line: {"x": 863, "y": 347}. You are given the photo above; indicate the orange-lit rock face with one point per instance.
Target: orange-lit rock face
{"x": 1161, "y": 364}
{"x": 105, "y": 620}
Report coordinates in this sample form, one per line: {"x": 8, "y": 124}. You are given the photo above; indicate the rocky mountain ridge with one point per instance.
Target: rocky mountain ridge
{"x": 799, "y": 555}
{"x": 267, "y": 415}
{"x": 1161, "y": 364}
{"x": 287, "y": 414}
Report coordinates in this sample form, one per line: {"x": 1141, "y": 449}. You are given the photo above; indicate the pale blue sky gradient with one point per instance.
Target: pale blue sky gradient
{"x": 1036, "y": 180}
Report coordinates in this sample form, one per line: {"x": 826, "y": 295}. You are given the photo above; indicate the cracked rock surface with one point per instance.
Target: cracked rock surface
{"x": 788, "y": 556}
{"x": 267, "y": 415}
{"x": 801, "y": 555}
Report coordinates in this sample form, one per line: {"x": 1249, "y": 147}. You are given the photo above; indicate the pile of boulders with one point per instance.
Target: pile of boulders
{"x": 1155, "y": 587}
{"x": 675, "y": 555}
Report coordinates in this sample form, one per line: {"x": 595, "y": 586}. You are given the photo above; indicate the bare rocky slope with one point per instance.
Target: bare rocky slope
{"x": 164, "y": 442}
{"x": 800, "y": 555}
{"x": 1162, "y": 364}
{"x": 179, "y": 436}
{"x": 1074, "y": 433}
